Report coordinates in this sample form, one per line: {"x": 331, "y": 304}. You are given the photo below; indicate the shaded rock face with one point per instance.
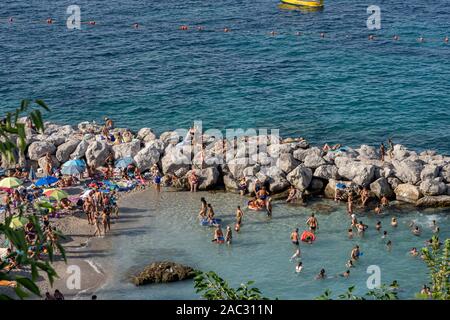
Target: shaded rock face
{"x": 65, "y": 150}
{"x": 433, "y": 187}
{"x": 445, "y": 173}
{"x": 407, "y": 193}
{"x": 174, "y": 159}
{"x": 96, "y": 153}
{"x": 381, "y": 187}
{"x": 287, "y": 162}
{"x": 39, "y": 149}
{"x": 434, "y": 201}
{"x": 361, "y": 174}
{"x": 163, "y": 272}
{"x": 80, "y": 150}
{"x": 129, "y": 149}
{"x": 367, "y": 152}
{"x": 146, "y": 134}
{"x": 300, "y": 177}
{"x": 327, "y": 172}
{"x": 408, "y": 171}
{"x": 207, "y": 178}
{"x": 146, "y": 157}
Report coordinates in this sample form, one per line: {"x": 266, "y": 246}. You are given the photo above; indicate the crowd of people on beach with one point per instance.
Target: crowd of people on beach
{"x": 48, "y": 195}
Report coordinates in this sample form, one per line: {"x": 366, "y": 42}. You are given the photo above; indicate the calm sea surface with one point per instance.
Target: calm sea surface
{"x": 343, "y": 88}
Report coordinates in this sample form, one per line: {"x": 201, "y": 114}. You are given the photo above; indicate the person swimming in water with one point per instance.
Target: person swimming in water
{"x": 377, "y": 209}
{"x": 384, "y": 201}
{"x": 296, "y": 254}
{"x": 321, "y": 275}
{"x": 354, "y": 222}
{"x": 228, "y": 235}
{"x": 218, "y": 235}
{"x": 295, "y": 237}
{"x": 389, "y": 245}
{"x": 385, "y": 234}
{"x": 416, "y": 231}
{"x": 394, "y": 222}
{"x": 202, "y": 213}
{"x": 355, "y": 253}
{"x": 210, "y": 212}
{"x": 350, "y": 233}
{"x": 312, "y": 223}
{"x": 414, "y": 252}
{"x": 349, "y": 264}
{"x": 378, "y": 226}
{"x": 299, "y": 267}
{"x": 346, "y": 274}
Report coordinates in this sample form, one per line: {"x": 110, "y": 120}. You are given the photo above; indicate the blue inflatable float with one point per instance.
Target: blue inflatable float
{"x": 206, "y": 223}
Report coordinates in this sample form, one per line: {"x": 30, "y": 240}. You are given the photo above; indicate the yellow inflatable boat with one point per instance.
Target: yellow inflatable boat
{"x": 315, "y": 4}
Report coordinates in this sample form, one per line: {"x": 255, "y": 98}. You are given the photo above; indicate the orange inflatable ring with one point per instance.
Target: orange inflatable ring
{"x": 306, "y": 235}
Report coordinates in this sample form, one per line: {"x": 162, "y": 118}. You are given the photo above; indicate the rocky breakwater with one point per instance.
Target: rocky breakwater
{"x": 163, "y": 272}
{"x": 422, "y": 178}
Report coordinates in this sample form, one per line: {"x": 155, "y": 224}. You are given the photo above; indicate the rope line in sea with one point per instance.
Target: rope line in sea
{"x": 198, "y": 28}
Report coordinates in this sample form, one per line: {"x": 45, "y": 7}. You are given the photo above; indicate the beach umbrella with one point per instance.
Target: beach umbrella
{"x": 75, "y": 162}
{"x": 10, "y": 182}
{"x": 18, "y": 222}
{"x": 46, "y": 181}
{"x": 32, "y": 175}
{"x": 72, "y": 170}
{"x": 124, "y": 162}
{"x": 56, "y": 194}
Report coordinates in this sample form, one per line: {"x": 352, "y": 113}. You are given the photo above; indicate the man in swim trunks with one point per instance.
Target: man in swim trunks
{"x": 312, "y": 223}
{"x": 218, "y": 234}
{"x": 239, "y": 215}
{"x": 354, "y": 255}
{"x": 295, "y": 237}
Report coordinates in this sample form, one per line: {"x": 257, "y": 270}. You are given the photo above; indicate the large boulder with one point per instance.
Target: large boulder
{"x": 407, "y": 193}
{"x": 39, "y": 149}
{"x": 236, "y": 167}
{"x": 367, "y": 152}
{"x": 301, "y": 154}
{"x": 89, "y": 127}
{"x": 170, "y": 137}
{"x": 146, "y": 157}
{"x": 163, "y": 272}
{"x": 65, "y": 150}
{"x": 445, "y": 173}
{"x": 330, "y": 188}
{"x": 433, "y": 187}
{"x": 400, "y": 152}
{"x": 300, "y": 177}
{"x": 314, "y": 161}
{"x": 434, "y": 201}
{"x": 175, "y": 158}
{"x": 287, "y": 162}
{"x": 408, "y": 170}
{"x": 42, "y": 162}
{"x": 393, "y": 182}
{"x": 156, "y": 144}
{"x": 359, "y": 173}
{"x": 80, "y": 150}
{"x": 381, "y": 187}
{"x": 207, "y": 177}
{"x": 327, "y": 172}
{"x": 146, "y": 135}
{"x": 230, "y": 183}
{"x": 429, "y": 172}
{"x": 96, "y": 153}
{"x": 129, "y": 149}
{"x": 263, "y": 159}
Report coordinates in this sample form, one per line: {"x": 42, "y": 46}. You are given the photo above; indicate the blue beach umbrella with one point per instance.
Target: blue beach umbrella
{"x": 71, "y": 170}
{"x": 124, "y": 162}
{"x": 75, "y": 162}
{"x": 46, "y": 181}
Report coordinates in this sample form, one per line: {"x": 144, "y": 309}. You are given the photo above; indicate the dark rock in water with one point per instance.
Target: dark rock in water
{"x": 434, "y": 201}
{"x": 163, "y": 272}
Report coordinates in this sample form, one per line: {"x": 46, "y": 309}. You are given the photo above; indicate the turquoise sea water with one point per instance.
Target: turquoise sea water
{"x": 165, "y": 227}
{"x": 343, "y": 88}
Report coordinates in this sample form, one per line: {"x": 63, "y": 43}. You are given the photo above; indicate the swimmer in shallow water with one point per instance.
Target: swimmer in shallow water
{"x": 296, "y": 255}
{"x": 321, "y": 275}
{"x": 414, "y": 252}
{"x": 389, "y": 245}
{"x": 416, "y": 231}
{"x": 218, "y": 234}
{"x": 295, "y": 237}
{"x": 349, "y": 264}
{"x": 299, "y": 267}
{"x": 228, "y": 235}
{"x": 385, "y": 234}
{"x": 394, "y": 222}
{"x": 313, "y": 223}
{"x": 346, "y": 274}
{"x": 378, "y": 226}
{"x": 350, "y": 233}
{"x": 355, "y": 253}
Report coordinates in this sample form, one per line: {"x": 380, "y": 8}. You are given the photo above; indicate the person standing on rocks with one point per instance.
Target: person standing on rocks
{"x": 48, "y": 164}
{"x": 364, "y": 196}
{"x": 382, "y": 151}
{"x": 193, "y": 181}
{"x": 350, "y": 203}
{"x": 391, "y": 148}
